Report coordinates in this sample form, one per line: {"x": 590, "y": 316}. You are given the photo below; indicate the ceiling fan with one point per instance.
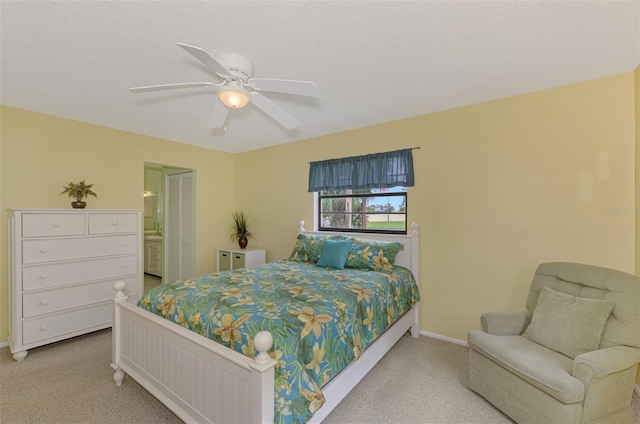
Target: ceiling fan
{"x": 238, "y": 88}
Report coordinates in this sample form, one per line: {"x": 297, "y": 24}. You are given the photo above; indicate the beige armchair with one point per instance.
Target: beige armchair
{"x": 516, "y": 362}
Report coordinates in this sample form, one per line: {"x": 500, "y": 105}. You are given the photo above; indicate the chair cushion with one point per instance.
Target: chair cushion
{"x": 568, "y": 324}
{"x": 594, "y": 282}
{"x": 543, "y": 368}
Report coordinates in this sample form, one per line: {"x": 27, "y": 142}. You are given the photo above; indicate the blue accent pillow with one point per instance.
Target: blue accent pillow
{"x": 334, "y": 253}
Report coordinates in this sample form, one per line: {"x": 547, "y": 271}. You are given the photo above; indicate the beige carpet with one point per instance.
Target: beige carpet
{"x": 71, "y": 382}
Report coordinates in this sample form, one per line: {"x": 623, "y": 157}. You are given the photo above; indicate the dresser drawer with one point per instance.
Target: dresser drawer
{"x": 155, "y": 248}
{"x": 37, "y": 251}
{"x": 47, "y": 301}
{"x": 110, "y": 223}
{"x": 154, "y": 256}
{"x": 37, "y": 329}
{"x": 154, "y": 268}
{"x": 59, "y": 274}
{"x": 53, "y": 224}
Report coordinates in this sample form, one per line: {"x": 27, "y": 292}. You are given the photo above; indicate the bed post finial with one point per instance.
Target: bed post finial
{"x": 301, "y": 228}
{"x": 119, "y": 287}
{"x": 415, "y": 229}
{"x": 262, "y": 342}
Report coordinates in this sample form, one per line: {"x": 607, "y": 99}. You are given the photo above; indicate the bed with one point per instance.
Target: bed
{"x": 251, "y": 380}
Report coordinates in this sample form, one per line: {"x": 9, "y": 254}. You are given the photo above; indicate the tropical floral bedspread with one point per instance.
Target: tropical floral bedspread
{"x": 321, "y": 319}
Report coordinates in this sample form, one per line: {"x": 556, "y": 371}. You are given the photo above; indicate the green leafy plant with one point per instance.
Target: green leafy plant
{"x": 79, "y": 190}
{"x": 240, "y": 229}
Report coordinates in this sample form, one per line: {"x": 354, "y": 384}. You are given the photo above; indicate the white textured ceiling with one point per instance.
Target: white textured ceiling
{"x": 373, "y": 62}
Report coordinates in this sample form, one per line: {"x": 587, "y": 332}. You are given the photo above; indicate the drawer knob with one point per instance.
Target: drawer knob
{"x": 43, "y": 250}
{"x": 56, "y": 224}
{"x": 43, "y": 327}
{"x": 123, "y": 266}
{"x": 123, "y": 244}
{"x": 44, "y": 302}
{"x": 114, "y": 223}
{"x": 43, "y": 277}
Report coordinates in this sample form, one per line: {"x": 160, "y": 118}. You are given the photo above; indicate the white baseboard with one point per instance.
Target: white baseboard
{"x": 444, "y": 338}
{"x": 4, "y": 344}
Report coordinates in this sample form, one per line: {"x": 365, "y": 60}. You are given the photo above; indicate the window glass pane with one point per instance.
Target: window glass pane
{"x": 396, "y": 222}
{"x": 375, "y": 210}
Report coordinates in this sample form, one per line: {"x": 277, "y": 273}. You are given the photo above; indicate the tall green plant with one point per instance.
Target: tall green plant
{"x": 241, "y": 227}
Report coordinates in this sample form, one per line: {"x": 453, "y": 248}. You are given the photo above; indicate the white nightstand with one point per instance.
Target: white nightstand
{"x": 236, "y": 258}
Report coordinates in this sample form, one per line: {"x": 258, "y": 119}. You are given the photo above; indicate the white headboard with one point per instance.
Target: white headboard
{"x": 408, "y": 258}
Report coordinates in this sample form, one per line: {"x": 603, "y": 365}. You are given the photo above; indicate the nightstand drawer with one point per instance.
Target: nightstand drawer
{"x": 54, "y": 224}
{"x": 110, "y": 223}
{"x": 37, "y": 251}
{"x": 224, "y": 261}
{"x": 237, "y": 260}
{"x": 60, "y": 274}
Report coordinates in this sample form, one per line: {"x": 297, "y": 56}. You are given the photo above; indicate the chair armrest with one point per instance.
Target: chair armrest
{"x": 505, "y": 323}
{"x": 602, "y": 362}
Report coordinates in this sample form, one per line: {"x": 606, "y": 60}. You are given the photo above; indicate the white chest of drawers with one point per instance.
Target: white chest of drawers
{"x": 62, "y": 265}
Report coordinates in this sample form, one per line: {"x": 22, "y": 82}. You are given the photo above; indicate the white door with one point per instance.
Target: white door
{"x": 179, "y": 245}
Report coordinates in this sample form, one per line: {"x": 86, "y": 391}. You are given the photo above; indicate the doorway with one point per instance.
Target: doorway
{"x": 169, "y": 245}
{"x": 179, "y": 219}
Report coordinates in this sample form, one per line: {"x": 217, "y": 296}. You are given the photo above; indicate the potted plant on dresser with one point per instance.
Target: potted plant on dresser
{"x": 79, "y": 191}
{"x": 241, "y": 229}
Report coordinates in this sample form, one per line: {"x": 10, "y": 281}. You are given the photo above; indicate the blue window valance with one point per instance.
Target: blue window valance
{"x": 377, "y": 170}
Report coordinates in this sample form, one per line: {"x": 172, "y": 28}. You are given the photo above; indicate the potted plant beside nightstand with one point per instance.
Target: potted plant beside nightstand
{"x": 240, "y": 229}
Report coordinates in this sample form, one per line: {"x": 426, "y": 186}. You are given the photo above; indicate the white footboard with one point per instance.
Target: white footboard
{"x": 196, "y": 378}
{"x": 202, "y": 381}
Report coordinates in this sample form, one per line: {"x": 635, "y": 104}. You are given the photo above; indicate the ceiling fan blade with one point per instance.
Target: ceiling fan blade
{"x": 205, "y": 58}
{"x": 274, "y": 111}
{"x": 218, "y": 116}
{"x": 302, "y": 88}
{"x": 171, "y": 86}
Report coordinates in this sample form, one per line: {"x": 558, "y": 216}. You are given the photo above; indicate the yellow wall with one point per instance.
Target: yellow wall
{"x": 153, "y": 179}
{"x": 41, "y": 153}
{"x": 500, "y": 187}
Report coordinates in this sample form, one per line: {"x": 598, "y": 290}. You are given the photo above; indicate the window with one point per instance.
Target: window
{"x": 363, "y": 193}
{"x": 367, "y": 210}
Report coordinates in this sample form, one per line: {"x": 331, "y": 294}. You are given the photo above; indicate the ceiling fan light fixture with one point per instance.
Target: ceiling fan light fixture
{"x": 234, "y": 96}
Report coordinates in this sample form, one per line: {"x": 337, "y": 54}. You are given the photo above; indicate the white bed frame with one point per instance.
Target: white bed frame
{"x": 202, "y": 381}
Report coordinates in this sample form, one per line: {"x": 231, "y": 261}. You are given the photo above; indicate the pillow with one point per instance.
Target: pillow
{"x": 373, "y": 254}
{"x": 309, "y": 246}
{"x": 568, "y": 324}
{"x": 334, "y": 253}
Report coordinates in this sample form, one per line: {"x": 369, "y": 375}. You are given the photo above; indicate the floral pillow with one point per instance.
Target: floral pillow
{"x": 373, "y": 254}
{"x": 309, "y": 247}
